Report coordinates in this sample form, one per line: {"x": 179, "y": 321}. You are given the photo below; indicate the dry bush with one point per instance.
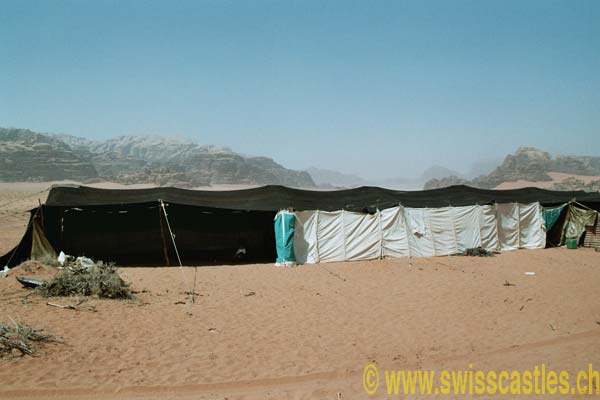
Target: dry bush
{"x": 476, "y": 252}
{"x": 101, "y": 280}
{"x": 20, "y": 339}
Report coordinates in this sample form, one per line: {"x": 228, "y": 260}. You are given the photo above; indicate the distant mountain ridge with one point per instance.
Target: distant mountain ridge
{"x": 329, "y": 178}
{"x": 31, "y": 156}
{"x": 530, "y": 165}
{"x": 161, "y": 160}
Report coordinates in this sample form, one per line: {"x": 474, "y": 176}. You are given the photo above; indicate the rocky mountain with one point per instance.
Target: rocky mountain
{"x": 444, "y": 182}
{"x": 579, "y": 165}
{"x": 330, "y": 178}
{"x": 31, "y": 156}
{"x": 139, "y": 159}
{"x": 531, "y": 165}
{"x": 527, "y": 163}
{"x": 437, "y": 172}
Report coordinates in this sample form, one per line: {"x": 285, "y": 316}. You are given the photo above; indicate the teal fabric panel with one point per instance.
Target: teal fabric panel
{"x": 551, "y": 215}
{"x": 285, "y": 224}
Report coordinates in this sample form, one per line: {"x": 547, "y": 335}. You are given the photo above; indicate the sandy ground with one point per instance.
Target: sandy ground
{"x": 556, "y": 177}
{"x": 259, "y": 332}
{"x": 16, "y": 199}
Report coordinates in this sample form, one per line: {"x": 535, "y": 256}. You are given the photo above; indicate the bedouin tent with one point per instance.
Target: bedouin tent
{"x": 131, "y": 227}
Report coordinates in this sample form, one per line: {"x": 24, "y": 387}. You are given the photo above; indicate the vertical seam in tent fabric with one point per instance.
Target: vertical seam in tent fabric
{"x": 344, "y": 235}
{"x": 317, "y": 236}
{"x": 497, "y": 227}
{"x": 452, "y": 218}
{"x": 518, "y": 225}
{"x": 540, "y": 218}
{"x": 403, "y": 214}
{"x": 431, "y": 232}
{"x": 479, "y": 218}
{"x": 380, "y": 235}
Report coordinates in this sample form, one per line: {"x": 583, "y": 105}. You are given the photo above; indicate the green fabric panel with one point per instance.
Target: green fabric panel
{"x": 285, "y": 224}
{"x": 576, "y": 221}
{"x": 41, "y": 249}
{"x": 551, "y": 215}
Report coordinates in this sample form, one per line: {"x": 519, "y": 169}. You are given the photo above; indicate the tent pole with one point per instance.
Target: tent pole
{"x": 41, "y": 213}
{"x": 162, "y": 234}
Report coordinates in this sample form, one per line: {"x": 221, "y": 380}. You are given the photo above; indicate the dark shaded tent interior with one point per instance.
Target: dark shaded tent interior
{"x": 138, "y": 234}
{"x": 129, "y": 226}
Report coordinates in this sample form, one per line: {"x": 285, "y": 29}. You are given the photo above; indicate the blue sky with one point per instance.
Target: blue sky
{"x": 381, "y": 89}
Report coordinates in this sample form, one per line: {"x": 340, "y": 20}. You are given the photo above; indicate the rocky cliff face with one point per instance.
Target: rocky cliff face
{"x": 577, "y": 165}
{"x": 533, "y": 165}
{"x": 527, "y": 163}
{"x": 30, "y": 156}
{"x": 139, "y": 159}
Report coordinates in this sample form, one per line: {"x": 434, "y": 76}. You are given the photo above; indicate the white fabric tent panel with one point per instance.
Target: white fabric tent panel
{"x": 488, "y": 228}
{"x": 532, "y": 232}
{"x": 331, "y": 236}
{"x": 420, "y": 240}
{"x": 443, "y": 232}
{"x": 363, "y": 236}
{"x": 467, "y": 226}
{"x": 305, "y": 237}
{"x": 393, "y": 232}
{"x": 508, "y": 225}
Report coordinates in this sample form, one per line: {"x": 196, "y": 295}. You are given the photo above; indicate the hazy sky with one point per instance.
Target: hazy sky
{"x": 375, "y": 88}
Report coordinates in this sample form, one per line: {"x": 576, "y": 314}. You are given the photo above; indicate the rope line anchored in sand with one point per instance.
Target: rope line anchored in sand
{"x": 192, "y": 291}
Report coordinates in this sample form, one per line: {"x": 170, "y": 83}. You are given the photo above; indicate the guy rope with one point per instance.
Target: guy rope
{"x": 192, "y": 291}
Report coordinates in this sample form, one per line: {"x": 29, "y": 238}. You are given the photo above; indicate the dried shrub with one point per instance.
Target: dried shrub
{"x": 20, "y": 339}
{"x": 476, "y": 252}
{"x": 101, "y": 280}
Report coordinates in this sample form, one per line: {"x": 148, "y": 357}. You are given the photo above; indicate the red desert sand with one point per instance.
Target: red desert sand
{"x": 260, "y": 332}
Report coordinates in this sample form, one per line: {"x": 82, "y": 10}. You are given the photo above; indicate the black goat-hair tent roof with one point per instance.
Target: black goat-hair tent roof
{"x": 274, "y": 198}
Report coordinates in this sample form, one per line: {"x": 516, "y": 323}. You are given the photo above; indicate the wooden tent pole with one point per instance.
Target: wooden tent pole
{"x": 162, "y": 234}
{"x": 41, "y": 213}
